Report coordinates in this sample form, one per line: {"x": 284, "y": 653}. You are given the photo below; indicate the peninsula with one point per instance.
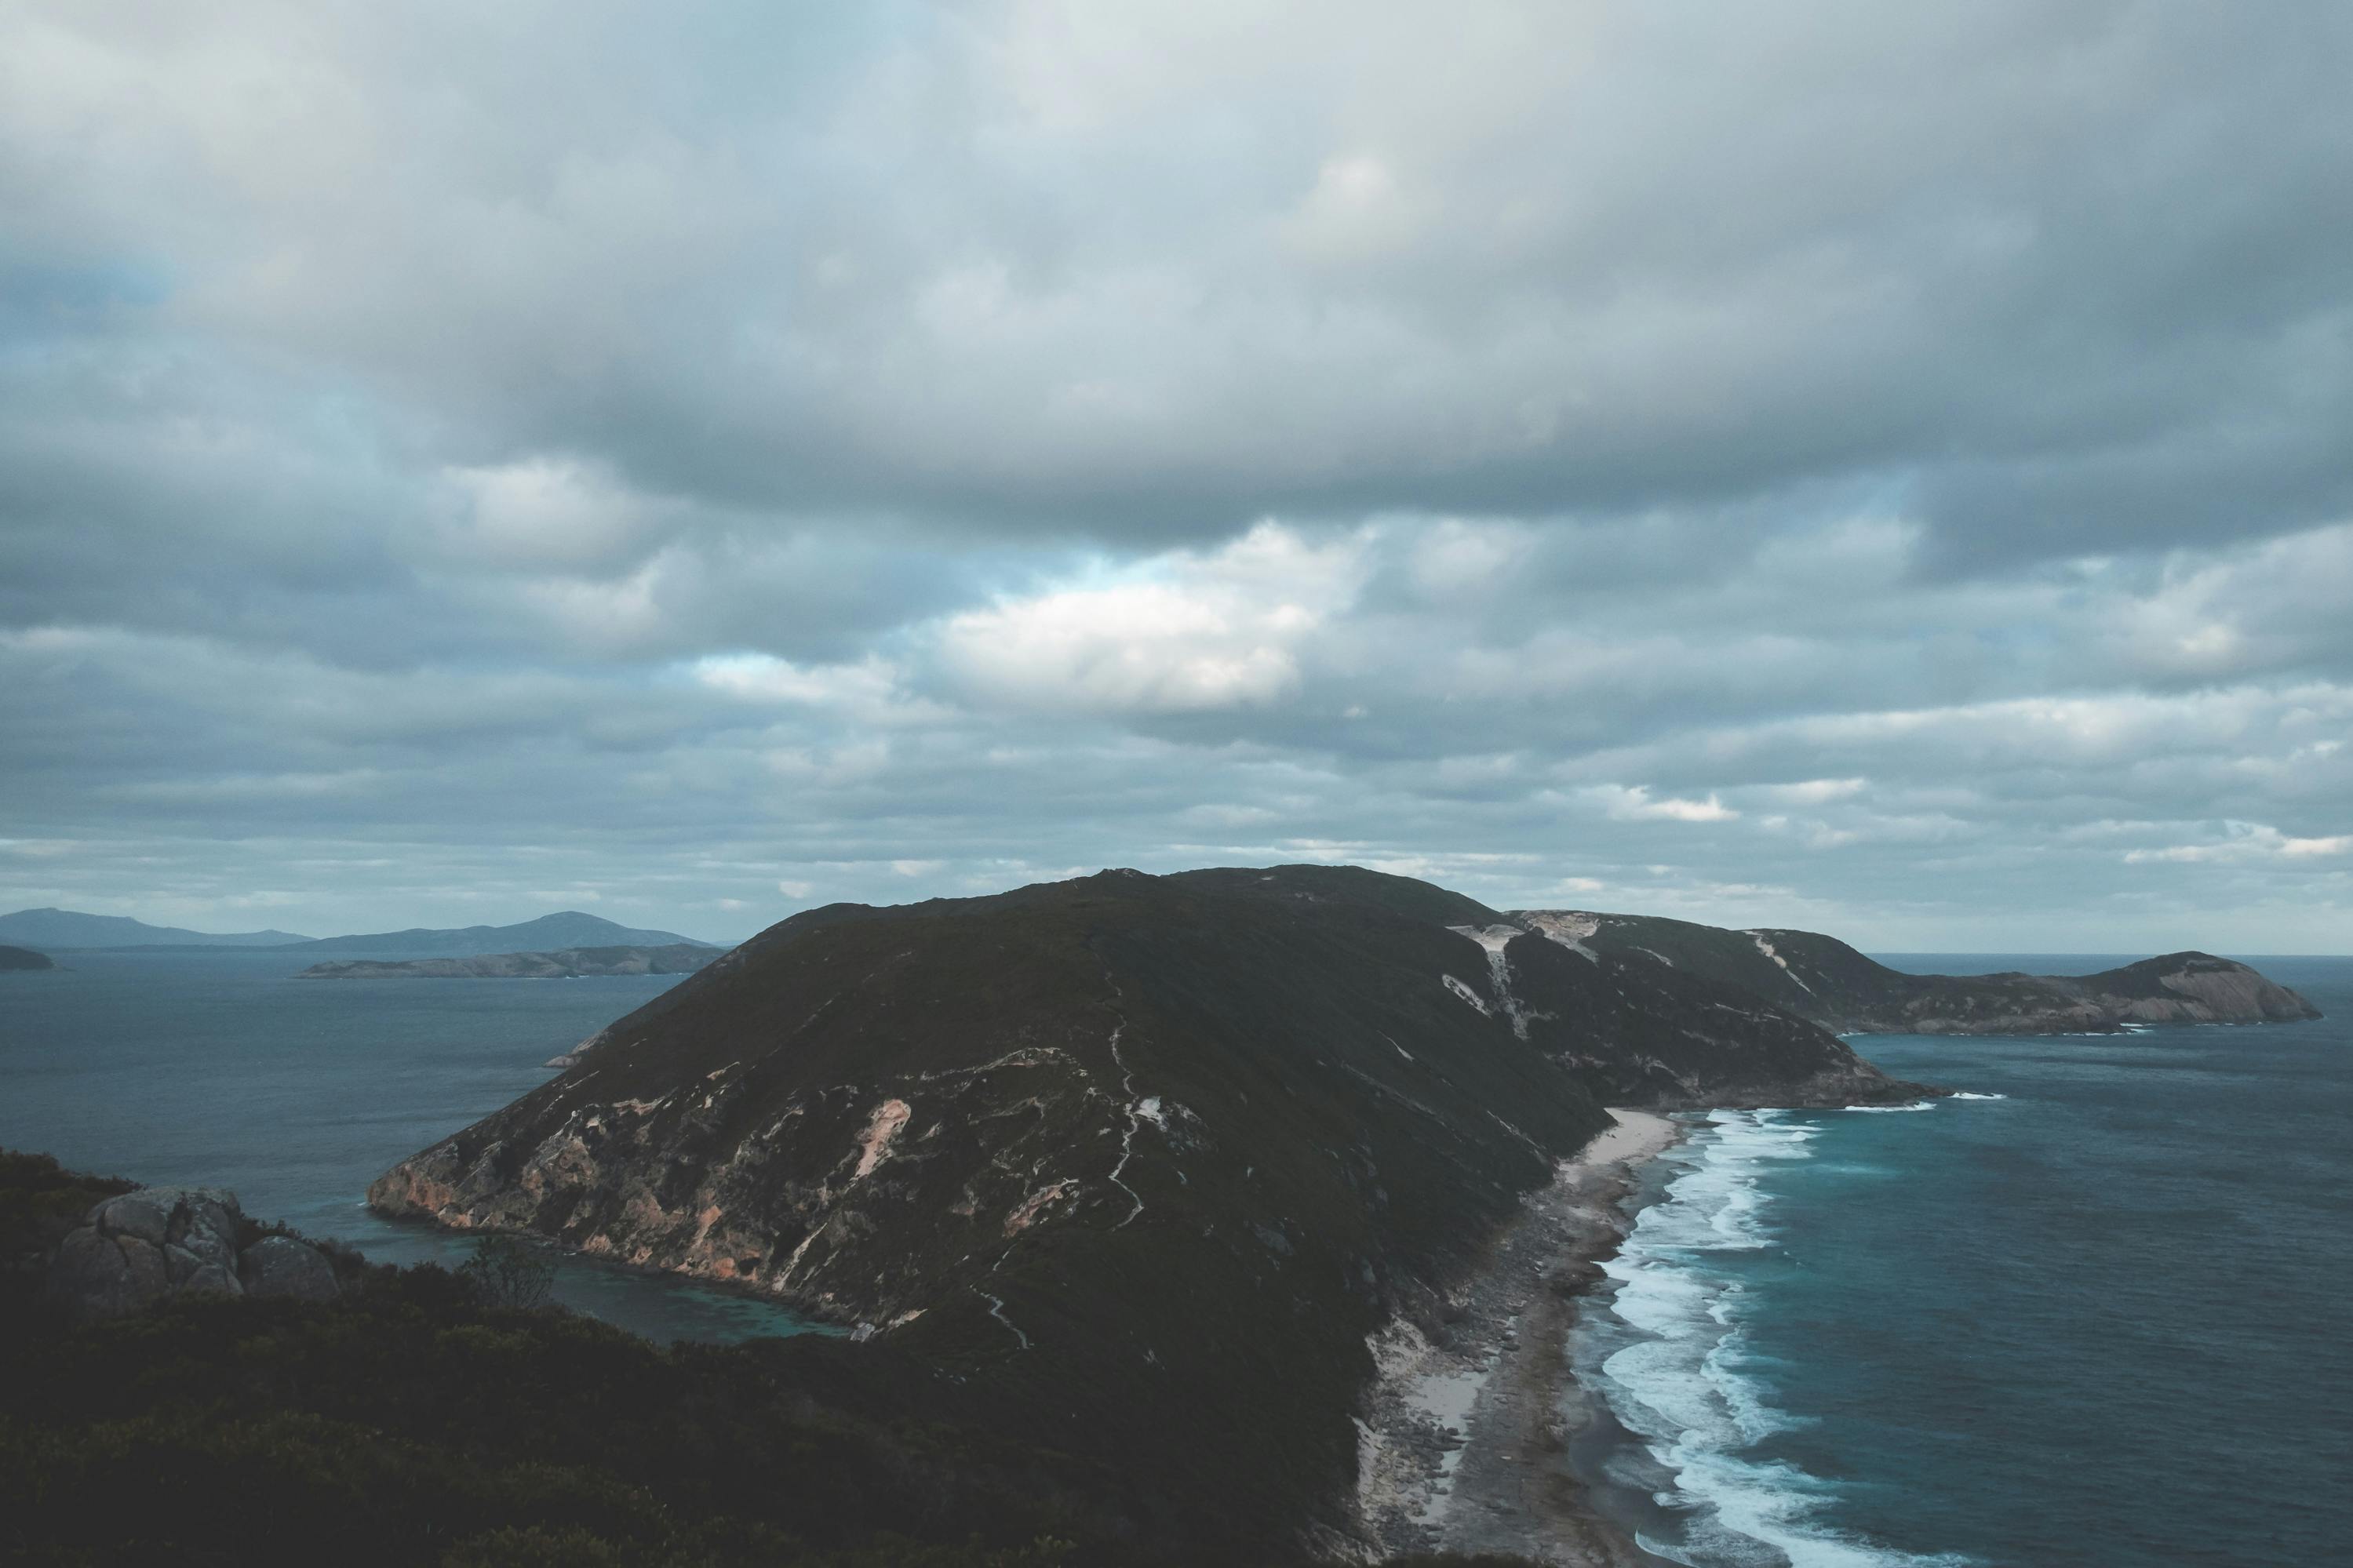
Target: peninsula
{"x": 1198, "y": 1174}
{"x": 1822, "y": 978}
{"x": 1180, "y": 1145}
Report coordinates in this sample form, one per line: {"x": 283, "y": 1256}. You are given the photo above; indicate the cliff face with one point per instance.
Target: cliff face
{"x": 1823, "y": 979}
{"x": 1127, "y": 1144}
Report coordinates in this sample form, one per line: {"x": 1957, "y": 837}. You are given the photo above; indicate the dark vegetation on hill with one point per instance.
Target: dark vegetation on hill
{"x": 39, "y": 1205}
{"x": 414, "y": 1423}
{"x": 1823, "y": 979}
{"x": 1143, "y": 1159}
{"x": 24, "y": 958}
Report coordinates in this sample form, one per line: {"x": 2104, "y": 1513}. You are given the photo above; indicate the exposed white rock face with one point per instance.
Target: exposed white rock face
{"x": 1464, "y": 992}
{"x": 1571, "y": 927}
{"x": 1779, "y": 962}
{"x": 143, "y": 1246}
{"x": 1492, "y": 940}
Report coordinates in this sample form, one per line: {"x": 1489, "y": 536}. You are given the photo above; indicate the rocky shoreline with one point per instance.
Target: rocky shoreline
{"x": 563, "y": 964}
{"x": 1467, "y": 1431}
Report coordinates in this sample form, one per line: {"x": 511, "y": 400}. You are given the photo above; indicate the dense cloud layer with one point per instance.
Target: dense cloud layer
{"x": 1884, "y": 468}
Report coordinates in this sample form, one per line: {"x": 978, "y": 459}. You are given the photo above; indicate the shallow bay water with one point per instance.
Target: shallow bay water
{"x": 2093, "y": 1311}
{"x": 218, "y": 1067}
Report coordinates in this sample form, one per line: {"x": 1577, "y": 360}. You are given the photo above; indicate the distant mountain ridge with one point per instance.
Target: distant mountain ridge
{"x": 69, "y": 930}
{"x": 548, "y": 933}
{"x": 1823, "y": 979}
{"x": 52, "y": 927}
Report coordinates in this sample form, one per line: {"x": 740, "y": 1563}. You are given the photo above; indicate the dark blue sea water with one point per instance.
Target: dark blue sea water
{"x": 217, "y": 1067}
{"x": 2105, "y": 1319}
{"x": 2098, "y": 1313}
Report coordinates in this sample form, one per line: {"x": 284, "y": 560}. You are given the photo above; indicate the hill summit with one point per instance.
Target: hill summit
{"x": 1148, "y": 1157}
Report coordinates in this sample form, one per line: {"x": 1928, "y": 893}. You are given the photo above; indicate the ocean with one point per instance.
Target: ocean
{"x": 2095, "y": 1311}
{"x": 2095, "y": 1314}
{"x": 216, "y": 1068}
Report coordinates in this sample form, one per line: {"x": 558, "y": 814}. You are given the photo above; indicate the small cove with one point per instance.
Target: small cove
{"x": 217, "y": 1067}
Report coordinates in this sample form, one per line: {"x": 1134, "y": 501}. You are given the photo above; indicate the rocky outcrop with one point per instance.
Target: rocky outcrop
{"x": 145, "y": 1245}
{"x": 1824, "y": 980}
{"x": 282, "y": 1266}
{"x": 2194, "y": 988}
{"x": 24, "y": 958}
{"x": 564, "y": 964}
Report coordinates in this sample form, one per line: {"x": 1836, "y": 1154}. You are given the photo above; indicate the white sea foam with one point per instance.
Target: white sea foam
{"x": 1894, "y": 1109}
{"x": 1684, "y": 1382}
{"x": 1965, "y": 1094}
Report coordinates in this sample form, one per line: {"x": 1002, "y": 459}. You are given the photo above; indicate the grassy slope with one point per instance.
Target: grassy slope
{"x": 1329, "y": 1151}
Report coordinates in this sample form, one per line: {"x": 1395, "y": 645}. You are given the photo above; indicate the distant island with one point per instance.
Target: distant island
{"x": 563, "y": 963}
{"x": 548, "y": 933}
{"x": 70, "y": 929}
{"x": 24, "y": 958}
{"x": 54, "y": 929}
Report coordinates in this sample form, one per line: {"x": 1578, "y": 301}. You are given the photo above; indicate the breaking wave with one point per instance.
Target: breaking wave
{"x": 1683, "y": 1381}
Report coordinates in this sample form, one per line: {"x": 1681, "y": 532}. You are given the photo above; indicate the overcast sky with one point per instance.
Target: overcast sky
{"x": 1886, "y": 468}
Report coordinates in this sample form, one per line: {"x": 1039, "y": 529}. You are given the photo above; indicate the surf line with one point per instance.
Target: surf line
{"x": 1671, "y": 1364}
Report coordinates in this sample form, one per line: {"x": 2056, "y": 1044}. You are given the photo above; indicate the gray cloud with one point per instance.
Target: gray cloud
{"x": 1880, "y": 467}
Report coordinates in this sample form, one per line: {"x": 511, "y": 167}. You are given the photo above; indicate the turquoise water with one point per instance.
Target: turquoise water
{"x": 2097, "y": 1315}
{"x": 217, "y": 1068}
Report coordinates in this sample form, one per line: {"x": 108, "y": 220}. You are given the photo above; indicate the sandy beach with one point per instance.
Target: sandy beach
{"x": 1466, "y": 1441}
